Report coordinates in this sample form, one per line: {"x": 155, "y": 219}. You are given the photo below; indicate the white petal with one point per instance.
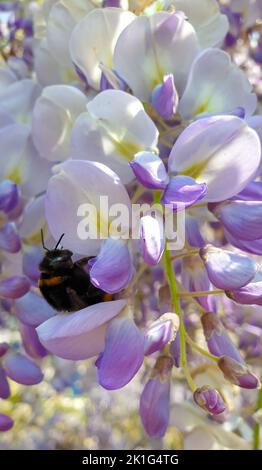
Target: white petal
{"x": 113, "y": 130}
{"x": 79, "y": 335}
{"x": 93, "y": 41}
{"x": 53, "y": 118}
{"x": 216, "y": 85}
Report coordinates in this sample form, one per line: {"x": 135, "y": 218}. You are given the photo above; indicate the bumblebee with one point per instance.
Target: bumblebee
{"x": 65, "y": 285}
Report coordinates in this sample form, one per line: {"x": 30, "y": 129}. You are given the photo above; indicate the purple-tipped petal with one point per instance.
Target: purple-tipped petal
{"x": 155, "y": 398}
{"x": 3, "y": 349}
{"x": 152, "y": 240}
{"x": 164, "y": 97}
{"x": 227, "y": 270}
{"x": 175, "y": 350}
{"x": 123, "y": 354}
{"x": 251, "y": 294}
{"x": 209, "y": 399}
{"x": 31, "y": 258}
{"x": 9, "y": 238}
{"x": 237, "y": 373}
{"x": 6, "y": 422}
{"x": 112, "y": 269}
{"x": 149, "y": 170}
{"x": 183, "y": 191}
{"x": 14, "y": 287}
{"x": 252, "y": 246}
{"x": 234, "y": 215}
{"x": 32, "y": 309}
{"x": 218, "y": 341}
{"x": 22, "y": 370}
{"x": 79, "y": 335}
{"x": 161, "y": 332}
{"x": 31, "y": 343}
{"x": 9, "y": 196}
{"x": 4, "y": 385}
{"x": 193, "y": 234}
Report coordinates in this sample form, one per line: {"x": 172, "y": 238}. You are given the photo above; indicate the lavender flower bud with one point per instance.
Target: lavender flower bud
{"x": 209, "y": 399}
{"x": 237, "y": 373}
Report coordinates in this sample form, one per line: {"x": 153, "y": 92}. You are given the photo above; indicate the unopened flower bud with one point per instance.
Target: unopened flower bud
{"x": 237, "y": 373}
{"x": 209, "y": 399}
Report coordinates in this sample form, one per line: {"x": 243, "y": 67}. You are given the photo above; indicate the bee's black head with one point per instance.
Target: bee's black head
{"x": 56, "y": 260}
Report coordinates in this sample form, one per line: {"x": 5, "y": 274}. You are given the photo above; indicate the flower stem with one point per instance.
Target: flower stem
{"x": 176, "y": 305}
{"x": 201, "y": 350}
{"x": 201, "y": 293}
{"x": 256, "y": 430}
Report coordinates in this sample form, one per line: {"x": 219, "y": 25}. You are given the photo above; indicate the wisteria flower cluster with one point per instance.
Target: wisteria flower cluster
{"x": 115, "y": 107}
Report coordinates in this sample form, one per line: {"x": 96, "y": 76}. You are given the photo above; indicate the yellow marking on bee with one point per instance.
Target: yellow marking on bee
{"x": 107, "y": 297}
{"x": 53, "y": 281}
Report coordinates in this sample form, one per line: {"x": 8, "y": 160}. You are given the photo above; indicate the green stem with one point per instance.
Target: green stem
{"x": 201, "y": 350}
{"x": 176, "y": 305}
{"x": 256, "y": 431}
{"x": 201, "y": 293}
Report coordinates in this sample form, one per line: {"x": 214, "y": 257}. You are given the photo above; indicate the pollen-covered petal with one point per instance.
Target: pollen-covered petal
{"x": 79, "y": 335}
{"x": 220, "y": 151}
{"x": 123, "y": 354}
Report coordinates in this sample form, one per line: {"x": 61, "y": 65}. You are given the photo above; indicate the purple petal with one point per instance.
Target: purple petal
{"x": 112, "y": 269}
{"x": 154, "y": 407}
{"x": 251, "y": 294}
{"x": 237, "y": 373}
{"x": 227, "y": 270}
{"x": 79, "y": 335}
{"x": 123, "y": 354}
{"x": 152, "y": 240}
{"x": 3, "y": 349}
{"x": 22, "y": 370}
{"x": 149, "y": 170}
{"x": 193, "y": 234}
{"x": 4, "y": 385}
{"x": 154, "y": 401}
{"x": 183, "y": 191}
{"x": 209, "y": 399}
{"x": 164, "y": 97}
{"x": 175, "y": 350}
{"x": 252, "y": 192}
{"x": 195, "y": 278}
{"x": 221, "y": 151}
{"x": 252, "y": 246}
{"x": 31, "y": 343}
{"x": 160, "y": 332}
{"x": 31, "y": 258}
{"x": 14, "y": 287}
{"x": 6, "y": 422}
{"x": 32, "y": 309}
{"x": 9, "y": 238}
{"x": 234, "y": 215}
{"x": 218, "y": 341}
{"x": 8, "y": 196}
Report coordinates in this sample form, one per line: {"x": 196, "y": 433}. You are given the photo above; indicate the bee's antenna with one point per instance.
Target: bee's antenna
{"x": 59, "y": 241}
{"x": 43, "y": 243}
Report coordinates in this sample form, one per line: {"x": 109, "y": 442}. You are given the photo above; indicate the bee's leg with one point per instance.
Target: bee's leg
{"x": 83, "y": 261}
